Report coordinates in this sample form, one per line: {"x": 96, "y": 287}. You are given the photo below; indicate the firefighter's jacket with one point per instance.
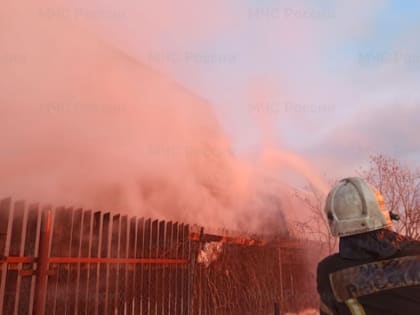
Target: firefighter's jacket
{"x": 375, "y": 273}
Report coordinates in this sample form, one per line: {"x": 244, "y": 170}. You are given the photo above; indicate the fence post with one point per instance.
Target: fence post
{"x": 281, "y": 280}
{"x": 42, "y": 264}
{"x": 195, "y": 248}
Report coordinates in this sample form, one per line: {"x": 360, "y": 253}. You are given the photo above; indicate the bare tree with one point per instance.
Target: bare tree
{"x": 400, "y": 186}
{"x": 316, "y": 225}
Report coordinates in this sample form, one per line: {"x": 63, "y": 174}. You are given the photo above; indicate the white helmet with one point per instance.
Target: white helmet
{"x": 354, "y": 207}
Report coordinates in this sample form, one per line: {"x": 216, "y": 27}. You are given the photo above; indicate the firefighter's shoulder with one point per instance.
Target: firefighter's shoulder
{"x": 331, "y": 263}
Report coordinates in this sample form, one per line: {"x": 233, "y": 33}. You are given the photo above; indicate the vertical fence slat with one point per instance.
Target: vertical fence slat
{"x": 160, "y": 287}
{"x": 94, "y": 252}
{"x": 44, "y": 246}
{"x": 166, "y": 275}
{"x": 197, "y": 284}
{"x": 66, "y": 228}
{"x": 5, "y": 227}
{"x": 199, "y": 287}
{"x": 179, "y": 278}
{"x": 185, "y": 274}
{"x": 139, "y": 276}
{"x": 104, "y": 268}
{"x": 173, "y": 273}
{"x": 55, "y": 251}
{"x": 28, "y": 282}
{"x": 153, "y": 267}
{"x": 17, "y": 229}
{"x": 122, "y": 283}
{"x": 60, "y": 247}
{"x": 20, "y": 211}
{"x": 132, "y": 267}
{"x": 5, "y": 209}
{"x": 13, "y": 279}
{"x": 82, "y": 289}
{"x": 72, "y": 280}
{"x": 146, "y": 268}
{"x": 179, "y": 281}
{"x": 12, "y": 274}
{"x": 113, "y": 272}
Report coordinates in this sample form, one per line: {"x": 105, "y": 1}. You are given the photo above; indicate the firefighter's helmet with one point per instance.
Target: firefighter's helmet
{"x": 355, "y": 207}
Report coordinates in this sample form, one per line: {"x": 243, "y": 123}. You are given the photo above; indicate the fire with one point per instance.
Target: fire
{"x": 210, "y": 253}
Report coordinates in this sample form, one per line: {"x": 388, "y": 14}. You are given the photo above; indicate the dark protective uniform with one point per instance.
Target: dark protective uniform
{"x": 375, "y": 273}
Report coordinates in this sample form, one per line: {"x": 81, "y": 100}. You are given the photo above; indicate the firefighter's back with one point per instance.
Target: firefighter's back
{"x": 386, "y": 286}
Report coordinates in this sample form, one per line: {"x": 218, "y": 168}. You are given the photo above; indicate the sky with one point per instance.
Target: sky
{"x": 337, "y": 81}
{"x": 110, "y": 104}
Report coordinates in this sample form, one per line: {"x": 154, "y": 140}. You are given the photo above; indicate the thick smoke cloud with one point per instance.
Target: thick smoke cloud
{"x": 83, "y": 123}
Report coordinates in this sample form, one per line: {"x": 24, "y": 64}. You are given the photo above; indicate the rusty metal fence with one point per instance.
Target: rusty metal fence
{"x": 75, "y": 261}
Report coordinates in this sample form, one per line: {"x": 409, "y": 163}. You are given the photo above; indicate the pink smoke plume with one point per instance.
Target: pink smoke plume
{"x": 85, "y": 124}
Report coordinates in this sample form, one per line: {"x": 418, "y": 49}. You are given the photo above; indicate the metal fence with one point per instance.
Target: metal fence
{"x": 75, "y": 261}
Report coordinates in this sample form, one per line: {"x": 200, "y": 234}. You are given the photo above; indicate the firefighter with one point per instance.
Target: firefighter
{"x": 377, "y": 271}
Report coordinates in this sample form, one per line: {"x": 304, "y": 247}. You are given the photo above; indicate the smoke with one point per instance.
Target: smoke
{"x": 84, "y": 124}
